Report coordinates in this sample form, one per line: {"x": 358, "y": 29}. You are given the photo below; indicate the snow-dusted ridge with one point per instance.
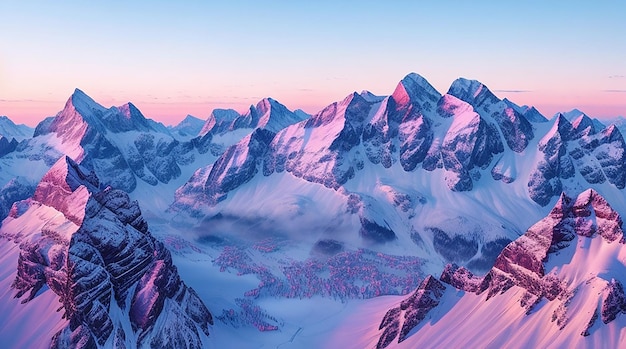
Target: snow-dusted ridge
{"x": 558, "y": 285}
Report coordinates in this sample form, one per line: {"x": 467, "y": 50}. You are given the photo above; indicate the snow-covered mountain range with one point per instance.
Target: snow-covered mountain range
{"x": 366, "y": 198}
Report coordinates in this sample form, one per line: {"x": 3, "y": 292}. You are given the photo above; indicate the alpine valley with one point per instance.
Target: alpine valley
{"x": 417, "y": 219}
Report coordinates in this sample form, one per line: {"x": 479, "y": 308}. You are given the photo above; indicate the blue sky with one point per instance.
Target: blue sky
{"x": 174, "y": 58}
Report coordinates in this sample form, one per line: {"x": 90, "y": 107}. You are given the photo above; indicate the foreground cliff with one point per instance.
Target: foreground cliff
{"x": 91, "y": 249}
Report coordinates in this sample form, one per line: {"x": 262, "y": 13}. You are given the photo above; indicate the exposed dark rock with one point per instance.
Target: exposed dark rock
{"x": 614, "y": 301}
{"x": 372, "y": 231}
{"x": 460, "y": 278}
{"x": 15, "y": 190}
{"x": 7, "y": 146}
{"x": 328, "y": 247}
{"x": 456, "y": 249}
{"x": 488, "y": 254}
{"x": 413, "y": 309}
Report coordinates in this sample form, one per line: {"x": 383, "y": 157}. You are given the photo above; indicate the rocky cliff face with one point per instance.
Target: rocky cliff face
{"x": 117, "y": 284}
{"x": 398, "y": 322}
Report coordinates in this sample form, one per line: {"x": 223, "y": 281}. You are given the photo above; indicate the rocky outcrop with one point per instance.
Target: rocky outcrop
{"x": 108, "y": 271}
{"x": 530, "y": 113}
{"x": 614, "y": 301}
{"x": 7, "y": 146}
{"x": 460, "y": 278}
{"x": 554, "y": 165}
{"x": 399, "y": 321}
{"x": 324, "y": 155}
{"x": 15, "y": 190}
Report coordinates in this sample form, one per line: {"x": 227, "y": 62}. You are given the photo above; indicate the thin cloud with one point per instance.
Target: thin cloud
{"x": 615, "y": 91}
{"x": 513, "y": 91}
{"x": 27, "y": 101}
{"x": 189, "y": 100}
{"x": 617, "y": 76}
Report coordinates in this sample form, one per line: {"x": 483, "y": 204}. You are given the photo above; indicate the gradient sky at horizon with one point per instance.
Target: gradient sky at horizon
{"x": 188, "y": 57}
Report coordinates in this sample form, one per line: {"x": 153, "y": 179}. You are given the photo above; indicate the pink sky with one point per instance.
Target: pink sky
{"x": 170, "y": 110}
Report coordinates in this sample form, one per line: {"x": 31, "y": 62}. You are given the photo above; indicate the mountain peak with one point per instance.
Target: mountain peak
{"x": 612, "y": 133}
{"x": 190, "y": 126}
{"x": 78, "y": 93}
{"x": 369, "y": 96}
{"x": 273, "y": 115}
{"x": 583, "y": 123}
{"x": 529, "y": 112}
{"x": 473, "y": 92}
{"x": 562, "y": 121}
{"x": 190, "y": 117}
{"x": 129, "y": 110}
{"x": 264, "y": 105}
{"x": 92, "y": 251}
{"x": 415, "y": 88}
{"x": 571, "y": 115}
{"x": 418, "y": 80}
{"x": 83, "y": 103}
{"x": 468, "y": 85}
{"x": 562, "y": 127}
